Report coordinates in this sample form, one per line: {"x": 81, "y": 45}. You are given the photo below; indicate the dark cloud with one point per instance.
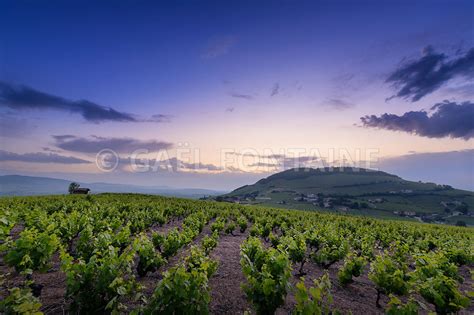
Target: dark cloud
{"x": 40, "y": 157}
{"x": 244, "y": 96}
{"x": 338, "y": 104}
{"x": 26, "y": 98}
{"x": 229, "y": 109}
{"x": 447, "y": 119}
{"x": 119, "y": 145}
{"x": 218, "y": 46}
{"x": 415, "y": 79}
{"x": 275, "y": 89}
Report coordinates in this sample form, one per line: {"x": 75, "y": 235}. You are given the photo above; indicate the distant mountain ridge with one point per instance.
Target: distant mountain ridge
{"x": 357, "y": 191}
{"x": 19, "y": 185}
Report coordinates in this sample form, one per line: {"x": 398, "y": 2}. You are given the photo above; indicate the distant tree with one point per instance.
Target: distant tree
{"x": 461, "y": 223}
{"x": 364, "y": 205}
{"x": 463, "y": 208}
{"x": 73, "y": 186}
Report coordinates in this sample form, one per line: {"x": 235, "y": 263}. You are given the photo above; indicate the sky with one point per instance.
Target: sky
{"x": 217, "y": 94}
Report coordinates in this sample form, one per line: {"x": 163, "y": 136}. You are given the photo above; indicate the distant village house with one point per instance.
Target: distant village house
{"x": 80, "y": 191}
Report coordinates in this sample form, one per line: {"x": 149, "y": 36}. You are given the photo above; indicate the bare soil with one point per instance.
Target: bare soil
{"x": 226, "y": 295}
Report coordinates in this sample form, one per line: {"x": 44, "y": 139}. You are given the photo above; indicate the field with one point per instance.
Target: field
{"x": 141, "y": 254}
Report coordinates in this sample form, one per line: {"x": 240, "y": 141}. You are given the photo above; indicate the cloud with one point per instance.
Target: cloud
{"x": 22, "y": 97}
{"x": 279, "y": 161}
{"x": 48, "y": 149}
{"x": 338, "y": 104}
{"x": 171, "y": 164}
{"x": 160, "y": 118}
{"x": 447, "y": 119}
{"x": 417, "y": 78}
{"x": 177, "y": 165}
{"x": 229, "y": 109}
{"x": 244, "y": 96}
{"x": 275, "y": 89}
{"x": 40, "y": 157}
{"x": 218, "y": 46}
{"x": 119, "y": 145}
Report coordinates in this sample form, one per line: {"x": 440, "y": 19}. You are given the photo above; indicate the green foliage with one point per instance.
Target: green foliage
{"x": 7, "y": 222}
{"x": 230, "y": 228}
{"x": 218, "y": 225}
{"x": 334, "y": 248}
{"x": 158, "y": 240}
{"x": 242, "y": 222}
{"x": 209, "y": 242}
{"x": 32, "y": 250}
{"x": 352, "y": 267}
{"x": 315, "y": 300}
{"x": 73, "y": 186}
{"x": 432, "y": 264}
{"x": 442, "y": 291}
{"x": 388, "y": 276}
{"x": 172, "y": 243}
{"x": 397, "y": 307}
{"x": 274, "y": 239}
{"x": 183, "y": 289}
{"x": 267, "y": 272}
{"x": 255, "y": 230}
{"x": 102, "y": 283}
{"x": 20, "y": 301}
{"x": 148, "y": 259}
{"x": 198, "y": 260}
{"x": 265, "y": 230}
{"x": 295, "y": 247}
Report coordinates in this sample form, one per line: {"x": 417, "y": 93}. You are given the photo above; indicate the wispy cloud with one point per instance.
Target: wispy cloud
{"x": 229, "y": 109}
{"x": 48, "y": 149}
{"x": 244, "y": 96}
{"x": 338, "y": 104}
{"x": 218, "y": 46}
{"x": 40, "y": 157}
{"x": 160, "y": 118}
{"x": 275, "y": 89}
{"x": 447, "y": 119}
{"x": 21, "y": 97}
{"x": 176, "y": 165}
{"x": 418, "y": 78}
{"x": 120, "y": 145}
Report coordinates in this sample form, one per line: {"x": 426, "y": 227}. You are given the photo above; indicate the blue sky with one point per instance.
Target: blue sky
{"x": 233, "y": 74}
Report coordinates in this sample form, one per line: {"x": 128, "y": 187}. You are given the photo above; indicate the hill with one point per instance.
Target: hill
{"x": 358, "y": 191}
{"x": 17, "y": 185}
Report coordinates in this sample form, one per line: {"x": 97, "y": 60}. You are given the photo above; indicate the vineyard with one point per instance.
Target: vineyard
{"x": 140, "y": 254}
